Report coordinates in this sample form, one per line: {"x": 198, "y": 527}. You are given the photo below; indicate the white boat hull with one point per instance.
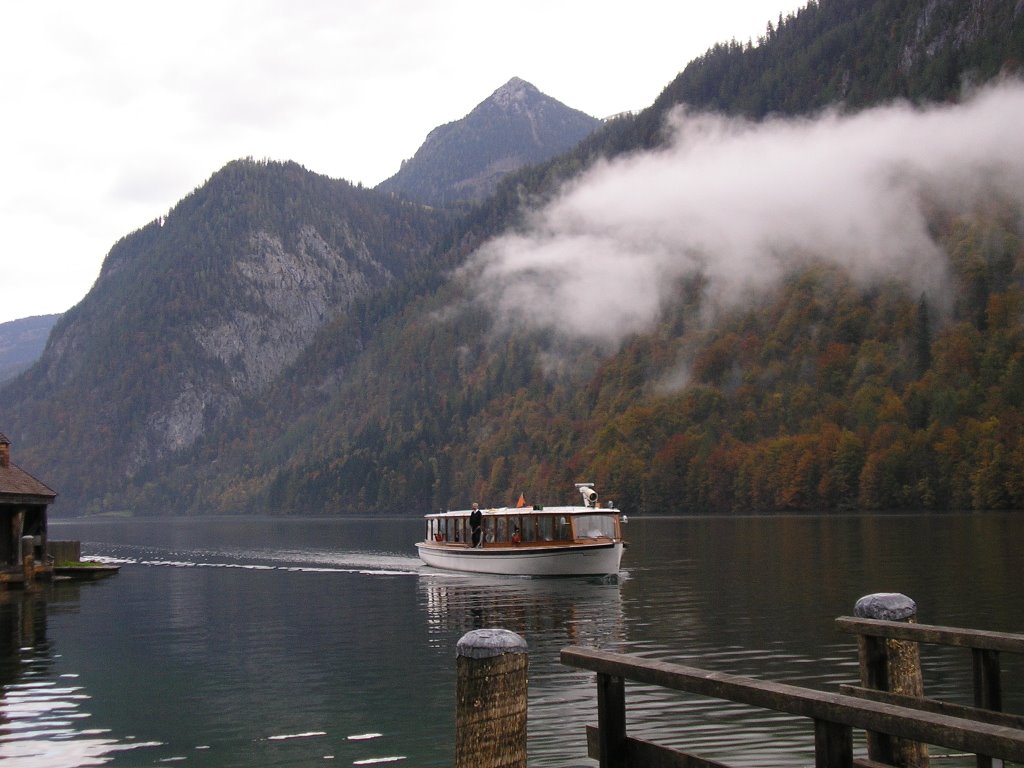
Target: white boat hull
{"x": 599, "y": 559}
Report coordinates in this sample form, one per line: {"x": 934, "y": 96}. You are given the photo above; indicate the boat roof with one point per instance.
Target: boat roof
{"x": 498, "y": 511}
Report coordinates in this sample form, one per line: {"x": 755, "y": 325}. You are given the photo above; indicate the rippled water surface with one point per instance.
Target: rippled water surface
{"x": 309, "y": 642}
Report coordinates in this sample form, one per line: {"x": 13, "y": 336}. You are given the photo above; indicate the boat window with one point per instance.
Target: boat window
{"x": 546, "y": 527}
{"x": 489, "y": 524}
{"x": 528, "y": 529}
{"x": 595, "y": 526}
{"x": 502, "y": 525}
{"x": 563, "y": 529}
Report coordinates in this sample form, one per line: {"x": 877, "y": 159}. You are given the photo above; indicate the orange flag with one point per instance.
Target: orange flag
{"x": 522, "y": 501}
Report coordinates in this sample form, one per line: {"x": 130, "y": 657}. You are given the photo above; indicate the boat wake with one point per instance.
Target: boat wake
{"x": 367, "y": 564}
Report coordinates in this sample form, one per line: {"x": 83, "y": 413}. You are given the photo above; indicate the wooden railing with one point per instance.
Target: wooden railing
{"x": 874, "y": 641}
{"x": 835, "y": 715}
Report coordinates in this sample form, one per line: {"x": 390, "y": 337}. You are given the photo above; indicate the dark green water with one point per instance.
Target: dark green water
{"x": 309, "y": 643}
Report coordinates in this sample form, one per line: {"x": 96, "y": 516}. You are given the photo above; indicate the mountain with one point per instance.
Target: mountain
{"x": 417, "y": 377}
{"x": 195, "y": 315}
{"x": 22, "y": 342}
{"x": 464, "y": 160}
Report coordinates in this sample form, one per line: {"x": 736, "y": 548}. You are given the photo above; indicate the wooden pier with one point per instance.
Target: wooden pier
{"x": 65, "y": 559}
{"x": 886, "y": 715}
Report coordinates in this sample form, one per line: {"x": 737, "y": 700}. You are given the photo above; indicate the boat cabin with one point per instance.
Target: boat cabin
{"x": 515, "y": 526}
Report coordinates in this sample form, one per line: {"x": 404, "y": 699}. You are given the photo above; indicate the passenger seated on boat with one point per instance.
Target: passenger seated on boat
{"x": 516, "y": 537}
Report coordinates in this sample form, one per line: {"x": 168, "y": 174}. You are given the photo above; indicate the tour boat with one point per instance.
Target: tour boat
{"x": 583, "y": 540}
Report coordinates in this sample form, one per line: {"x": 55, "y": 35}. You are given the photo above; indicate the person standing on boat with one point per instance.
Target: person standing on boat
{"x": 476, "y": 521}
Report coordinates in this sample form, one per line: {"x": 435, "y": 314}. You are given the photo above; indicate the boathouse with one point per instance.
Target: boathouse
{"x": 23, "y": 504}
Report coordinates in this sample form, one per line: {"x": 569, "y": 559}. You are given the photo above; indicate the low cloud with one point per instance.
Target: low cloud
{"x": 740, "y": 202}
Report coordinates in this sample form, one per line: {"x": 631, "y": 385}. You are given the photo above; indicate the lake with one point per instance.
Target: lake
{"x": 283, "y": 642}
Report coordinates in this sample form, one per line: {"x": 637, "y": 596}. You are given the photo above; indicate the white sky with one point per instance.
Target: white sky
{"x": 111, "y": 111}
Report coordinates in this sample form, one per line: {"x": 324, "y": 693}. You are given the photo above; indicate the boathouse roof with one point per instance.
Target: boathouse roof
{"x": 16, "y": 482}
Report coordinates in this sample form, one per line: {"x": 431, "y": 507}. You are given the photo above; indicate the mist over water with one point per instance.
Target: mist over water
{"x": 741, "y": 202}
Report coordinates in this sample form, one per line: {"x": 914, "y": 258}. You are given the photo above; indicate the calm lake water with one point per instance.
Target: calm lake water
{"x": 274, "y": 642}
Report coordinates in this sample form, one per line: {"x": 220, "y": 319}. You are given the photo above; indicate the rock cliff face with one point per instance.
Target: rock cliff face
{"x": 291, "y": 294}
{"x": 464, "y": 160}
{"x": 288, "y": 297}
{"x": 933, "y": 32}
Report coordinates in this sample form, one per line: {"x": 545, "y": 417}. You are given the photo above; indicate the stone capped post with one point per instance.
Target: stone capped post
{"x": 894, "y": 666}
{"x": 490, "y": 700}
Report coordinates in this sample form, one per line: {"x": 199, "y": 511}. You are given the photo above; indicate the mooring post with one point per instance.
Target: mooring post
{"x": 490, "y": 700}
{"x": 894, "y": 666}
{"x": 611, "y": 721}
{"x": 988, "y": 691}
{"x": 28, "y": 559}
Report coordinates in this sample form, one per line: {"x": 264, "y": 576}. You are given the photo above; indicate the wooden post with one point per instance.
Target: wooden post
{"x": 833, "y": 745}
{"x": 611, "y": 721}
{"x": 28, "y": 559}
{"x": 491, "y": 700}
{"x": 894, "y": 666}
{"x": 988, "y": 691}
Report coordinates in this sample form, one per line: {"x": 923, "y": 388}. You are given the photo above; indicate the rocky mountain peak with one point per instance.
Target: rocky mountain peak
{"x": 463, "y": 161}
{"x": 515, "y": 91}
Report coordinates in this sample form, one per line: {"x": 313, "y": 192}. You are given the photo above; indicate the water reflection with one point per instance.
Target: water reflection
{"x": 44, "y": 714}
{"x": 563, "y": 611}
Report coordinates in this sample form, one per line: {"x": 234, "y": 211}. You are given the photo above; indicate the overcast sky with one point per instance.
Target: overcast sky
{"x": 113, "y": 111}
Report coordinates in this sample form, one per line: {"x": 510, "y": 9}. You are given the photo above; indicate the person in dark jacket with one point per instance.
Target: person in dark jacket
{"x": 476, "y": 522}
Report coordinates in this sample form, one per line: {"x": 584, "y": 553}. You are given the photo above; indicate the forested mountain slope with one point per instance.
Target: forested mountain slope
{"x": 852, "y": 55}
{"x": 825, "y": 394}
